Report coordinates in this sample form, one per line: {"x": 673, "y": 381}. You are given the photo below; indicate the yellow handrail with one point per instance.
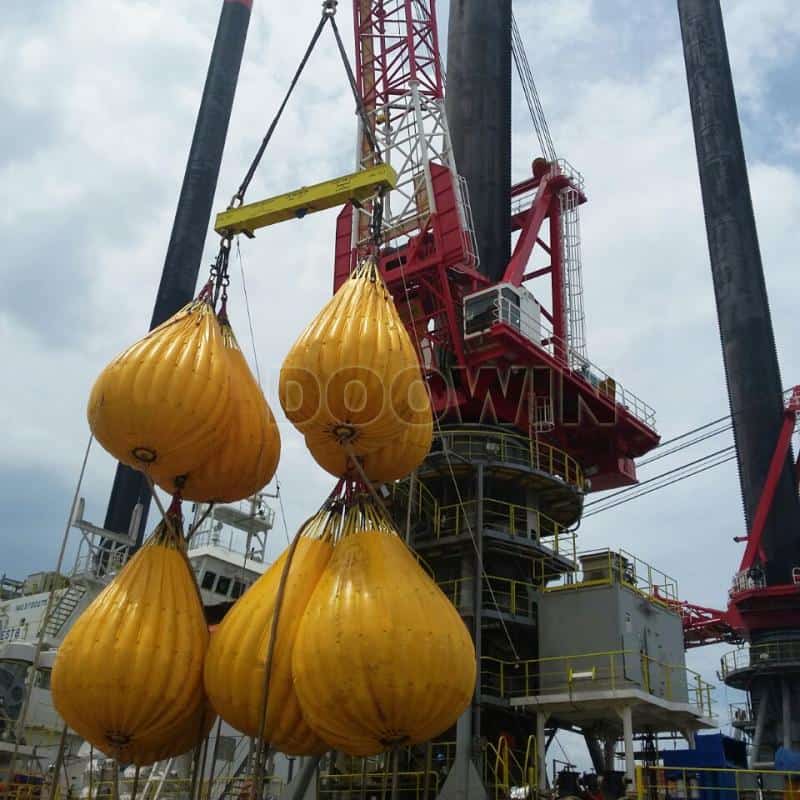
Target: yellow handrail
{"x": 623, "y": 568}
{"x": 412, "y": 781}
{"x": 458, "y": 519}
{"x": 605, "y": 670}
{"x": 507, "y": 594}
{"x": 694, "y": 781}
{"x": 531, "y": 766}
{"x": 514, "y": 448}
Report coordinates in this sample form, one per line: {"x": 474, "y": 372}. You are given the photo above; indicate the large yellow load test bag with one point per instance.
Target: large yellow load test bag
{"x": 128, "y": 676}
{"x": 382, "y": 658}
{"x": 240, "y": 649}
{"x": 164, "y": 402}
{"x": 247, "y": 457}
{"x": 352, "y": 382}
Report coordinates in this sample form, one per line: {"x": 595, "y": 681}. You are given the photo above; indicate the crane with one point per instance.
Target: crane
{"x": 492, "y": 350}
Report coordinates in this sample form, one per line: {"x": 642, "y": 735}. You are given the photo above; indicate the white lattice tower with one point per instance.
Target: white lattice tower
{"x": 400, "y": 81}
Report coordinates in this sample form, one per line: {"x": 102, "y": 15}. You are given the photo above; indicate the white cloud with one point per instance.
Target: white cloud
{"x": 98, "y": 115}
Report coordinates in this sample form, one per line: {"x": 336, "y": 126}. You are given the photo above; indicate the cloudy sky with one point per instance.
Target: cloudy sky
{"x": 98, "y": 108}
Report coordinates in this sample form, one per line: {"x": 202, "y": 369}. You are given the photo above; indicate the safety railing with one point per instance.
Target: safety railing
{"x": 10, "y": 588}
{"x": 502, "y": 594}
{"x": 26, "y": 789}
{"x": 411, "y": 785}
{"x": 678, "y": 783}
{"x": 587, "y": 672}
{"x": 753, "y": 578}
{"x": 232, "y": 541}
{"x": 461, "y": 519}
{"x": 741, "y": 714}
{"x": 509, "y": 772}
{"x": 504, "y": 311}
{"x": 761, "y": 655}
{"x": 512, "y": 448}
{"x": 99, "y": 563}
{"x": 224, "y": 787}
{"x": 423, "y": 502}
{"x": 606, "y": 567}
{"x": 524, "y": 200}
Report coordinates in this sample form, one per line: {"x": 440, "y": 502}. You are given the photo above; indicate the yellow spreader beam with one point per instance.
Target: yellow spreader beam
{"x": 359, "y": 186}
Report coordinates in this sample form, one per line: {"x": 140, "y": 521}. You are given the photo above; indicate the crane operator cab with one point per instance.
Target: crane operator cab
{"x": 506, "y": 304}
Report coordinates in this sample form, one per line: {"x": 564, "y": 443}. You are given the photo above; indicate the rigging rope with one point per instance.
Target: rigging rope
{"x": 219, "y": 270}
{"x": 531, "y": 93}
{"x": 690, "y": 443}
{"x": 723, "y": 455}
{"x": 238, "y": 198}
{"x": 278, "y": 494}
{"x": 249, "y": 315}
{"x": 360, "y": 109}
{"x": 679, "y": 478}
{"x": 655, "y": 478}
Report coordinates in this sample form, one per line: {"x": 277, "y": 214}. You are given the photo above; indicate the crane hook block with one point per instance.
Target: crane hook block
{"x": 356, "y": 188}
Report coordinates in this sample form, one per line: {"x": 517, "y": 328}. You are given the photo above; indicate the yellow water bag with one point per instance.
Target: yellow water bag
{"x": 247, "y": 457}
{"x": 164, "y": 401}
{"x": 392, "y": 462}
{"x": 176, "y": 739}
{"x": 131, "y": 667}
{"x": 237, "y": 657}
{"x": 381, "y": 658}
{"x": 352, "y": 376}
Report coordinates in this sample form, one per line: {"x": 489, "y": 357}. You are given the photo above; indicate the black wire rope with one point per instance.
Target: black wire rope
{"x": 633, "y": 492}
{"x": 531, "y": 93}
{"x": 238, "y": 198}
{"x": 360, "y": 109}
{"x": 679, "y": 478}
{"x": 685, "y": 445}
{"x": 660, "y": 475}
{"x": 219, "y": 269}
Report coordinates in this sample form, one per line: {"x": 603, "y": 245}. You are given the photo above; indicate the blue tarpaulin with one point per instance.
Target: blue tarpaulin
{"x": 787, "y": 760}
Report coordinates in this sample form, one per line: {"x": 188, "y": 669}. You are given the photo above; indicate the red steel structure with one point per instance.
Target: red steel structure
{"x": 493, "y": 352}
{"x": 753, "y": 605}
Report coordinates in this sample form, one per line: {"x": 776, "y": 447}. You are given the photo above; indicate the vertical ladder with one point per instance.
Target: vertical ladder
{"x": 573, "y": 276}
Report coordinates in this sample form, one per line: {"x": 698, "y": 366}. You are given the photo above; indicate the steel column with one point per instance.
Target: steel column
{"x": 786, "y": 708}
{"x": 627, "y": 734}
{"x": 479, "y": 114}
{"x": 764, "y": 699}
{"x": 541, "y": 751}
{"x": 478, "y": 601}
{"x": 748, "y": 345}
{"x": 185, "y": 249}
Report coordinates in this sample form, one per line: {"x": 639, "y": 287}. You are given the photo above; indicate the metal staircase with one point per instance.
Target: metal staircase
{"x": 239, "y": 768}
{"x": 63, "y": 610}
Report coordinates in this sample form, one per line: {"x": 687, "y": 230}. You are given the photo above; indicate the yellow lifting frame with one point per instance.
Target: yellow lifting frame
{"x": 357, "y": 187}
